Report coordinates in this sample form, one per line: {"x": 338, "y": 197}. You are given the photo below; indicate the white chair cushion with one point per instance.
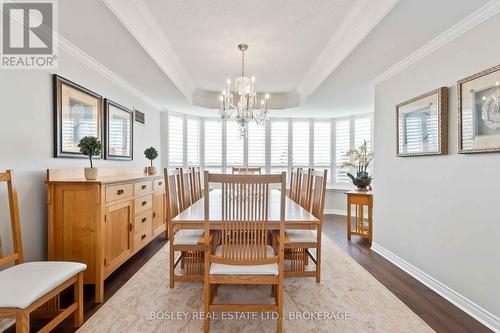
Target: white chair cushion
{"x": 23, "y": 284}
{"x": 267, "y": 269}
{"x": 187, "y": 236}
{"x": 301, "y": 236}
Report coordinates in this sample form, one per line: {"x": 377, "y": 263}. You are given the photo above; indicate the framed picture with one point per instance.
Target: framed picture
{"x": 479, "y": 112}
{"x": 422, "y": 125}
{"x": 77, "y": 113}
{"x": 119, "y": 131}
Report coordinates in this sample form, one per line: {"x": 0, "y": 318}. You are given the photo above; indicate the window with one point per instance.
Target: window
{"x": 279, "y": 144}
{"x": 217, "y": 146}
{"x": 362, "y": 131}
{"x": 256, "y": 145}
{"x": 234, "y": 145}
{"x": 322, "y": 145}
{"x": 342, "y": 145}
{"x": 300, "y": 143}
{"x": 175, "y": 140}
{"x": 213, "y": 145}
{"x": 193, "y": 141}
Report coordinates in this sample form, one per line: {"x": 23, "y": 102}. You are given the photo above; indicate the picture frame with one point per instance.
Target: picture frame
{"x": 119, "y": 131}
{"x": 422, "y": 125}
{"x": 479, "y": 112}
{"x": 77, "y": 112}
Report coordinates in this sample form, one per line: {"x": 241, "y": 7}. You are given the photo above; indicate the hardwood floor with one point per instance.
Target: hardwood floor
{"x": 437, "y": 312}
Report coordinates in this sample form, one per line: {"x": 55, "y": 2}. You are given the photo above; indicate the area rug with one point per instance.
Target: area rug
{"x": 348, "y": 299}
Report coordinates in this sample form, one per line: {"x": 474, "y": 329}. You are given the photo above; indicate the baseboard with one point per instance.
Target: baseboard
{"x": 486, "y": 318}
{"x": 335, "y": 212}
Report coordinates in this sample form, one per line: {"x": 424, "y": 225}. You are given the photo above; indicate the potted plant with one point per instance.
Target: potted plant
{"x": 359, "y": 160}
{"x": 90, "y": 146}
{"x": 151, "y": 153}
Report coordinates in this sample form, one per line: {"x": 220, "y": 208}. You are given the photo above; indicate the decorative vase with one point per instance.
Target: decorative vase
{"x": 151, "y": 171}
{"x": 90, "y": 173}
{"x": 361, "y": 181}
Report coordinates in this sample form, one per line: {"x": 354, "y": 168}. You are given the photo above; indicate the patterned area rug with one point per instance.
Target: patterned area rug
{"x": 348, "y": 299}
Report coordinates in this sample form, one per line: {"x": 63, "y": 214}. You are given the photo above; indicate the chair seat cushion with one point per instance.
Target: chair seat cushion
{"x": 266, "y": 269}
{"x": 23, "y": 284}
{"x": 187, "y": 236}
{"x": 301, "y": 236}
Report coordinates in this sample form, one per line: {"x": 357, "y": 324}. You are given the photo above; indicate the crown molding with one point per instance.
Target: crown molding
{"x": 138, "y": 20}
{"x": 468, "y": 23}
{"x": 92, "y": 63}
{"x": 358, "y": 23}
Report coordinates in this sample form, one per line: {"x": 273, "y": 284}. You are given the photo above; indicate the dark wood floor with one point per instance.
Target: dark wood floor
{"x": 437, "y": 312}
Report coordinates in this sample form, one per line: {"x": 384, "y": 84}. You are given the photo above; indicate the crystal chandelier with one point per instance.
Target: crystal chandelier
{"x": 245, "y": 96}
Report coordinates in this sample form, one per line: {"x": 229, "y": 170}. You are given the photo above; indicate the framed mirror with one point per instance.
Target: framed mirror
{"x": 119, "y": 131}
{"x": 422, "y": 124}
{"x": 77, "y": 113}
{"x": 479, "y": 112}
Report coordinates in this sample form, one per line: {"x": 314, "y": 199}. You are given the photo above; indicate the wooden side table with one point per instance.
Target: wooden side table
{"x": 361, "y": 227}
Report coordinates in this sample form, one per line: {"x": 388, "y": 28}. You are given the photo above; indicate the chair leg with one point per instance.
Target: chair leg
{"x": 78, "y": 291}
{"x": 182, "y": 260}
{"x": 171, "y": 271}
{"x": 318, "y": 258}
{"x": 206, "y": 323}
{"x": 22, "y": 321}
{"x": 280, "y": 305}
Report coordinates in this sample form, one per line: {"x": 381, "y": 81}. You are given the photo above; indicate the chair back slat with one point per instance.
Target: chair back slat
{"x": 183, "y": 188}
{"x": 172, "y": 197}
{"x": 295, "y": 184}
{"x": 318, "y": 193}
{"x": 195, "y": 183}
{"x": 247, "y": 170}
{"x": 17, "y": 256}
{"x": 306, "y": 185}
{"x": 244, "y": 216}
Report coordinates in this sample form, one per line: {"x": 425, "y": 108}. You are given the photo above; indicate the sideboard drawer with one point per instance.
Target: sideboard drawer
{"x": 118, "y": 192}
{"x": 143, "y": 187}
{"x": 141, "y": 238}
{"x": 143, "y": 204}
{"x": 159, "y": 185}
{"x": 143, "y": 221}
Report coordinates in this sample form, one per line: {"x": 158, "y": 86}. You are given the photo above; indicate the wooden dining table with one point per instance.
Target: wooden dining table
{"x": 296, "y": 217}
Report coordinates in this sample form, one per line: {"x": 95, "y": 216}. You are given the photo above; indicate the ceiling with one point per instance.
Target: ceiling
{"x": 284, "y": 36}
{"x": 318, "y": 57}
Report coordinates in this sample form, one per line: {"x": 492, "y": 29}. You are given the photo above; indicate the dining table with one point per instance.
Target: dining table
{"x": 296, "y": 217}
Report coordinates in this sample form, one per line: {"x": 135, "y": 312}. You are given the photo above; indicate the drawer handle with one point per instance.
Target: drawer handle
{"x": 154, "y": 214}
{"x": 119, "y": 192}
{"x": 160, "y": 183}
{"x": 130, "y": 227}
{"x": 144, "y": 187}
{"x": 144, "y": 203}
{"x": 143, "y": 236}
{"x": 144, "y": 219}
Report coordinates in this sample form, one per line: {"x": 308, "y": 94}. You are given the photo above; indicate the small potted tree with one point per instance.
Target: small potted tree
{"x": 151, "y": 153}
{"x": 90, "y": 146}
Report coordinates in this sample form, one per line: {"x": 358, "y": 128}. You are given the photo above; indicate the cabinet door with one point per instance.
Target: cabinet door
{"x": 118, "y": 235}
{"x": 158, "y": 213}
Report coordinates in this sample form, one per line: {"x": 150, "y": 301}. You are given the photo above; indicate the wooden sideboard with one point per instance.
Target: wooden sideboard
{"x": 102, "y": 223}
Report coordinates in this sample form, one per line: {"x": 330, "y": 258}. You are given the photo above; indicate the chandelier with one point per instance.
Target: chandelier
{"x": 245, "y": 97}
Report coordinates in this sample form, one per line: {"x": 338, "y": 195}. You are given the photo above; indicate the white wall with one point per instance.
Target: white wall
{"x": 26, "y": 142}
{"x": 440, "y": 213}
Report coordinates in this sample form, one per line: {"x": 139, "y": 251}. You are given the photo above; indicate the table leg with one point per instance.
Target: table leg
{"x": 348, "y": 221}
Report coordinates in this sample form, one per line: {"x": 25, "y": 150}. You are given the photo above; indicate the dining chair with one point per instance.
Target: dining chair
{"x": 189, "y": 242}
{"x": 247, "y": 170}
{"x": 298, "y": 242}
{"x": 183, "y": 188}
{"x": 244, "y": 256}
{"x": 294, "y": 190}
{"x": 25, "y": 287}
{"x": 195, "y": 183}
